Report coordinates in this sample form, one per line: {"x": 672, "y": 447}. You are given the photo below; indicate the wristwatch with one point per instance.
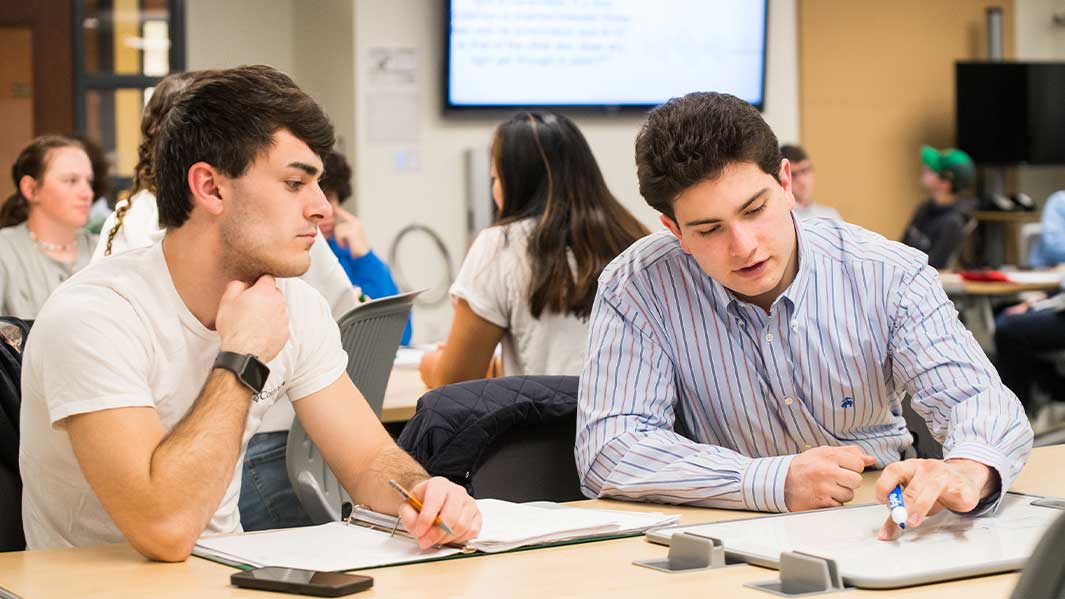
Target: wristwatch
{"x": 249, "y": 370}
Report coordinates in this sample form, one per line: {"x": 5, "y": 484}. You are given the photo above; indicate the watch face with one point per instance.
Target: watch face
{"x": 255, "y": 373}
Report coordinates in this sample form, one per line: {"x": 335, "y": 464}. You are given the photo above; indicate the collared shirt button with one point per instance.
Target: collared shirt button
{"x": 769, "y": 337}
{"x": 794, "y": 325}
{"x": 788, "y": 400}
{"x": 808, "y": 446}
{"x": 740, "y": 320}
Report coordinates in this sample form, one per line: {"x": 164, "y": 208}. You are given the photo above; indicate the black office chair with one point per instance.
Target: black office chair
{"x": 11, "y": 533}
{"x": 506, "y": 438}
{"x": 924, "y": 444}
{"x": 1043, "y": 577}
{"x": 531, "y": 463}
{"x": 370, "y": 334}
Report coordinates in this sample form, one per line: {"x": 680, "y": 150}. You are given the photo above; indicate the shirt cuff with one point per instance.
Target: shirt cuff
{"x": 989, "y": 456}
{"x": 762, "y": 484}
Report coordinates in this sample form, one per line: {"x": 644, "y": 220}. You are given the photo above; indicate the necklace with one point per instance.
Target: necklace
{"x": 48, "y": 246}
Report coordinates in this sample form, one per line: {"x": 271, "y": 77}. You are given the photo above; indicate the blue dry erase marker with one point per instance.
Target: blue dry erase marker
{"x": 897, "y": 507}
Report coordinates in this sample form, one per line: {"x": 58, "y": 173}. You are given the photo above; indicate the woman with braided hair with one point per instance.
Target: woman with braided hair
{"x": 143, "y": 222}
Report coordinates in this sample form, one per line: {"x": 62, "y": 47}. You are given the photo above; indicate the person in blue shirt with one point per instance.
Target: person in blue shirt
{"x": 1050, "y": 251}
{"x": 346, "y": 237}
{"x": 1036, "y": 326}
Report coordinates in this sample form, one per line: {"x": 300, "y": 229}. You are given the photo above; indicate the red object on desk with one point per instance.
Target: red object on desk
{"x": 984, "y": 275}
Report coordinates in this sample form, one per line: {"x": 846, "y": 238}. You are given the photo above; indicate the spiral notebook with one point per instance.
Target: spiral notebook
{"x": 366, "y": 539}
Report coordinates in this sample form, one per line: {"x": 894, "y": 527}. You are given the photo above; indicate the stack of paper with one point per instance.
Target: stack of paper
{"x": 341, "y": 546}
{"x": 410, "y": 357}
{"x": 330, "y": 547}
{"x": 509, "y": 525}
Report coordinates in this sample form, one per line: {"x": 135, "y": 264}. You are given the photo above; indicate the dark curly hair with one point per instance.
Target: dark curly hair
{"x": 337, "y": 176}
{"x": 226, "y": 118}
{"x": 692, "y": 138}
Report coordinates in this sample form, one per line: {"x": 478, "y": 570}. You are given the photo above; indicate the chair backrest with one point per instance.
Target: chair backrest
{"x": 503, "y": 438}
{"x": 531, "y": 463}
{"x": 11, "y": 533}
{"x": 370, "y": 334}
{"x": 1043, "y": 577}
{"x": 924, "y": 444}
{"x": 1029, "y": 236}
{"x": 966, "y": 231}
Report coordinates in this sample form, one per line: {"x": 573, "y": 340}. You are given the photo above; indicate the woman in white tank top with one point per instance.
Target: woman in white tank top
{"x": 529, "y": 280}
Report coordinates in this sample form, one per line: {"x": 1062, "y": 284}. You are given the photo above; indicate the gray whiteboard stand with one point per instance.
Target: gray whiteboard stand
{"x": 803, "y": 575}
{"x": 689, "y": 553}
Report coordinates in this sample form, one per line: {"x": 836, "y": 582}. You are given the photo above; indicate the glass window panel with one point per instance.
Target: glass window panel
{"x": 112, "y": 118}
{"x": 126, "y": 37}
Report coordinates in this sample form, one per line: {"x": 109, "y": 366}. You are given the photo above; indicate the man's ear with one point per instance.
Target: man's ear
{"x": 674, "y": 228}
{"x": 27, "y": 186}
{"x": 204, "y": 184}
{"x": 785, "y": 181}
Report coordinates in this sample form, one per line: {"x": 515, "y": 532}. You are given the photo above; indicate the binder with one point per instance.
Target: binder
{"x": 367, "y": 539}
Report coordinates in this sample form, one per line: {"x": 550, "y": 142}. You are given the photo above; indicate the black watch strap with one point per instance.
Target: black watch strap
{"x": 249, "y": 369}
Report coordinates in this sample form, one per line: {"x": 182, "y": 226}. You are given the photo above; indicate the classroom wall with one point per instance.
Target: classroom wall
{"x": 422, "y": 180}
{"x": 326, "y": 46}
{"x": 314, "y": 45}
{"x": 323, "y": 49}
{"x": 877, "y": 84}
{"x": 1039, "y": 38}
{"x": 235, "y": 32}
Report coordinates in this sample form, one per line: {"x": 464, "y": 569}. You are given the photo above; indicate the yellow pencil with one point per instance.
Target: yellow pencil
{"x": 417, "y": 505}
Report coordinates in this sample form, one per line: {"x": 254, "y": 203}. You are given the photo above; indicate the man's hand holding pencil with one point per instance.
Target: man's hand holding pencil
{"x": 436, "y": 511}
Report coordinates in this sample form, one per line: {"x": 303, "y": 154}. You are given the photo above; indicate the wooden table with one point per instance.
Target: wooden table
{"x": 405, "y": 386}
{"x": 974, "y": 299}
{"x": 602, "y": 569}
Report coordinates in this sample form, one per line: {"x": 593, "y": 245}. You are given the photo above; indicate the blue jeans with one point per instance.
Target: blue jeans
{"x": 267, "y": 500}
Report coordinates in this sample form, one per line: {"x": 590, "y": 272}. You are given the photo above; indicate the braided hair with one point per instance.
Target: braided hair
{"x": 164, "y": 96}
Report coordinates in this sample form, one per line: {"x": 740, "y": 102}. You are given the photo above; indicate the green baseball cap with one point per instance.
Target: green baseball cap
{"x": 951, "y": 164}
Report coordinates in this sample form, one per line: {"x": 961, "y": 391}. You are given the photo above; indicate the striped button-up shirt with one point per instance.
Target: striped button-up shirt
{"x": 864, "y": 321}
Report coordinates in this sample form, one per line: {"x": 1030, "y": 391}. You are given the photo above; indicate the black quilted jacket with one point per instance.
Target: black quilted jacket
{"x": 455, "y": 424}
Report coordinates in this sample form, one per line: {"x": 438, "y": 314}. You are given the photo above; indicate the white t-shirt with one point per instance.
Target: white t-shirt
{"x": 140, "y": 228}
{"x": 118, "y": 335}
{"x": 494, "y": 281}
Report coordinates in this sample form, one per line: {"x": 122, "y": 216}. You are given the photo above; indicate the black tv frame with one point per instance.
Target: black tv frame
{"x": 1016, "y": 139}
{"x": 450, "y": 109}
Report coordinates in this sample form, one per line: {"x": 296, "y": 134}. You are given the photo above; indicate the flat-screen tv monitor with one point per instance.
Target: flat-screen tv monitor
{"x": 606, "y": 54}
{"x": 1011, "y": 112}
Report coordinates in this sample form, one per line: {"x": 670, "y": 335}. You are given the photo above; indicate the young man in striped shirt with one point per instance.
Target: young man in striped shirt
{"x": 784, "y": 348}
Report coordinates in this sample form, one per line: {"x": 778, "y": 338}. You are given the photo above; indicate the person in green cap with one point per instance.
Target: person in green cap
{"x": 938, "y": 226}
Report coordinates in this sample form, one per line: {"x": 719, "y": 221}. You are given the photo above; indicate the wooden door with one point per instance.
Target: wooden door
{"x": 49, "y": 26}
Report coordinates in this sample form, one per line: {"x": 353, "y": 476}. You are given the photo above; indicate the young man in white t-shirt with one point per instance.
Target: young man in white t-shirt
{"x": 146, "y": 374}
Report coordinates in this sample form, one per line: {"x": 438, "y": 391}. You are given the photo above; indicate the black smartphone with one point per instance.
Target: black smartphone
{"x": 303, "y": 582}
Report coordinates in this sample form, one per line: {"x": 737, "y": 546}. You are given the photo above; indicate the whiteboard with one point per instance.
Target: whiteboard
{"x": 945, "y": 546}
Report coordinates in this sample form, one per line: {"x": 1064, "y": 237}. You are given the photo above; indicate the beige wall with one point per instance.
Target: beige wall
{"x": 229, "y": 33}
{"x": 877, "y": 82}
{"x": 1039, "y": 38}
{"x": 324, "y": 62}
{"x": 311, "y": 41}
